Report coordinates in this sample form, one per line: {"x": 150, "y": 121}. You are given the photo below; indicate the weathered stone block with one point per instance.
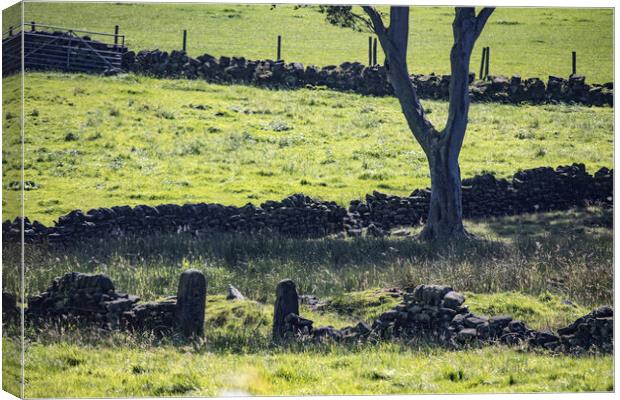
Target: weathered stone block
{"x": 191, "y": 298}
{"x": 287, "y": 302}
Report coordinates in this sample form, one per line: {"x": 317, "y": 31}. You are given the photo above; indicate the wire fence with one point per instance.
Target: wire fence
{"x": 289, "y": 46}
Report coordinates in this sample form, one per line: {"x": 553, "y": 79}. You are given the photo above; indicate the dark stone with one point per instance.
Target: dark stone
{"x": 10, "y": 311}
{"x": 466, "y": 335}
{"x": 453, "y": 300}
{"x": 474, "y": 321}
{"x": 191, "y": 299}
{"x": 286, "y": 303}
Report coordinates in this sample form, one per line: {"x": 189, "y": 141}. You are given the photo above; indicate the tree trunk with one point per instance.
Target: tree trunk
{"x": 445, "y": 216}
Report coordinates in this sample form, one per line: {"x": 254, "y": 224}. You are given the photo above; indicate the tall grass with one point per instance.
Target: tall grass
{"x": 574, "y": 263}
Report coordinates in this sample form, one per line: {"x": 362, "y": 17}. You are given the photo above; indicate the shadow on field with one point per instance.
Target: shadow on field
{"x": 570, "y": 222}
{"x": 569, "y": 253}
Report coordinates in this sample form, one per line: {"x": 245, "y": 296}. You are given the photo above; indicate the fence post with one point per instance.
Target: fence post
{"x": 33, "y": 26}
{"x": 279, "y": 51}
{"x": 287, "y": 302}
{"x": 574, "y": 63}
{"x": 484, "y": 53}
{"x": 486, "y": 65}
{"x": 191, "y": 297}
{"x": 184, "y": 40}
{"x": 374, "y": 52}
{"x": 115, "y": 35}
{"x": 369, "y": 51}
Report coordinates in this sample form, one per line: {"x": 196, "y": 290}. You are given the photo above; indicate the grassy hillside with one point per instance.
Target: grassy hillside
{"x": 95, "y": 142}
{"x": 524, "y": 41}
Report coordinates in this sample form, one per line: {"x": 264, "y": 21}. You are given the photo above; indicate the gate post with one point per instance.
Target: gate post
{"x": 287, "y": 302}
{"x": 374, "y": 52}
{"x": 191, "y": 297}
{"x": 486, "y": 63}
{"x": 116, "y": 35}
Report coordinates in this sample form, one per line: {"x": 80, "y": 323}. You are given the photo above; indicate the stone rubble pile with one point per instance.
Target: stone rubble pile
{"x": 436, "y": 314}
{"x": 91, "y": 299}
{"x": 353, "y": 76}
{"x": 81, "y": 297}
{"x": 299, "y": 328}
{"x": 10, "y": 311}
{"x": 534, "y": 190}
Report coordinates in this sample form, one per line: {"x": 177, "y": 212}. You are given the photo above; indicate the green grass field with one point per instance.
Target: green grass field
{"x": 71, "y": 370}
{"x": 524, "y": 41}
{"x": 126, "y": 140}
{"x": 533, "y": 266}
{"x": 98, "y": 142}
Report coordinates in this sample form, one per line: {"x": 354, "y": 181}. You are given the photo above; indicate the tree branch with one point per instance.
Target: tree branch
{"x": 398, "y": 32}
{"x": 375, "y": 19}
{"x": 363, "y": 20}
{"x": 481, "y": 19}
{"x": 466, "y": 29}
{"x": 395, "y": 48}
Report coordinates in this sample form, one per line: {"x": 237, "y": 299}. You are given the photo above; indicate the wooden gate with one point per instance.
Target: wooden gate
{"x": 53, "y": 48}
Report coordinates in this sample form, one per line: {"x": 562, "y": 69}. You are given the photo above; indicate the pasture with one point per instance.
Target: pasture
{"x": 94, "y": 141}
{"x": 524, "y": 41}
{"x": 546, "y": 269}
{"x": 127, "y": 140}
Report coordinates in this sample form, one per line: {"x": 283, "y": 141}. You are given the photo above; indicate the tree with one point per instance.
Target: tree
{"x": 442, "y": 147}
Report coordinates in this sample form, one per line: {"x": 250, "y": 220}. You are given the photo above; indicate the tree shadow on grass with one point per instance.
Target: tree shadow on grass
{"x": 575, "y": 222}
{"x": 520, "y": 253}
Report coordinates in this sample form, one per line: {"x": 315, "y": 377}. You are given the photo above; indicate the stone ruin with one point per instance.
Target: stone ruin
{"x": 91, "y": 300}
{"x": 355, "y": 77}
{"x": 431, "y": 313}
{"x": 436, "y": 314}
{"x": 533, "y": 190}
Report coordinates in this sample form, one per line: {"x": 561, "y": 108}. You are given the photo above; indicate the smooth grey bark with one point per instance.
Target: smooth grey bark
{"x": 442, "y": 148}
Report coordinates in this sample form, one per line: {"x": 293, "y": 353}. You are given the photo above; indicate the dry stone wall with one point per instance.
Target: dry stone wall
{"x": 432, "y": 313}
{"x": 91, "y": 300}
{"x": 348, "y": 76}
{"x": 437, "y": 314}
{"x": 355, "y": 77}
{"x": 534, "y": 190}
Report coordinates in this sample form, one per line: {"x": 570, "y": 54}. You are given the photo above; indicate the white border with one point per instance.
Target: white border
{"x": 500, "y": 3}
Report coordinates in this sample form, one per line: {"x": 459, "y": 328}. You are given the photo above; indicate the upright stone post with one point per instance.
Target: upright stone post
{"x": 191, "y": 298}
{"x": 287, "y": 302}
